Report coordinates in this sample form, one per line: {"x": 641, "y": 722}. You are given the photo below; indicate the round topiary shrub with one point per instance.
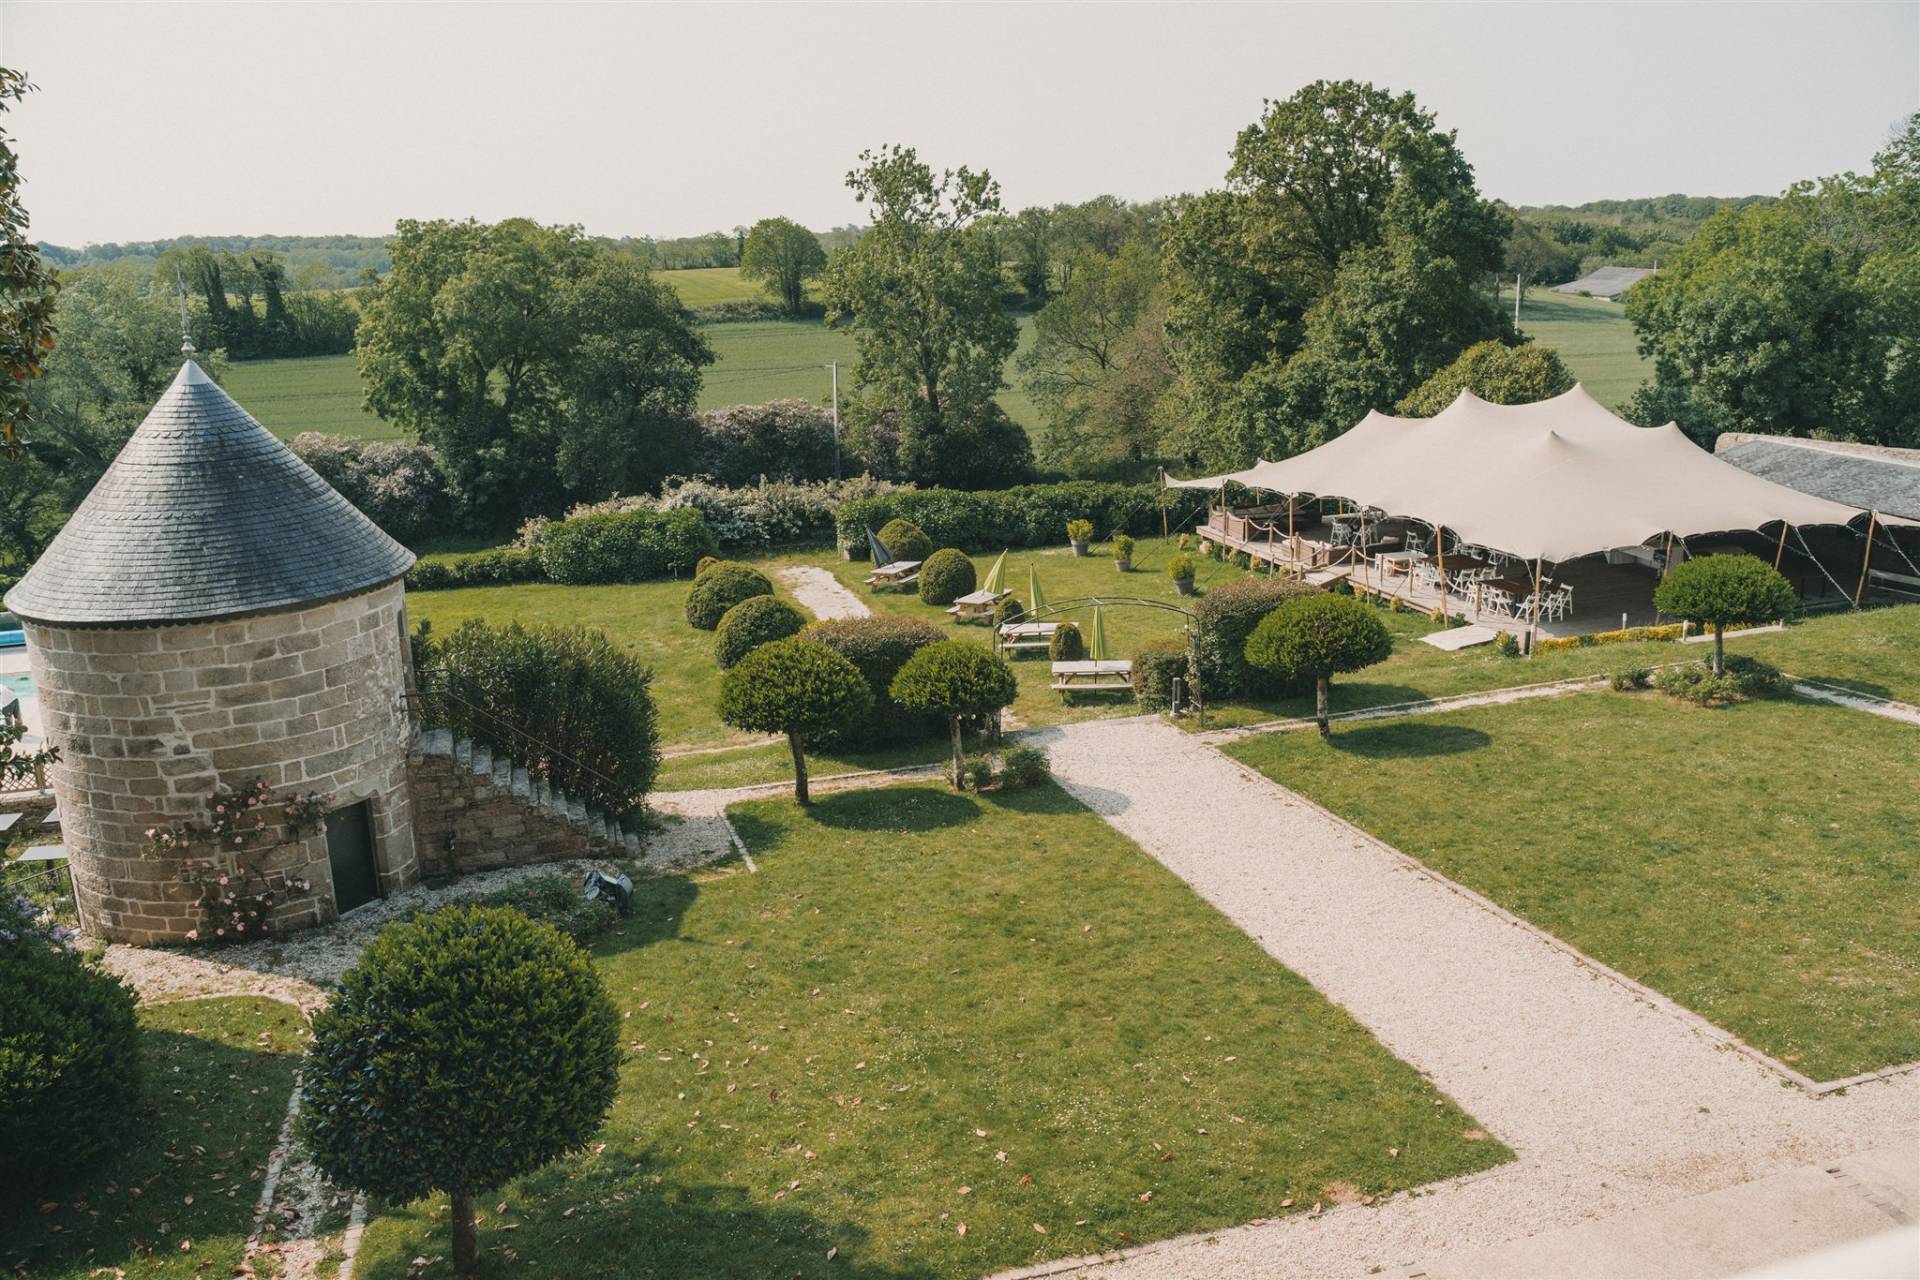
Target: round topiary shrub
{"x": 959, "y": 680}
{"x": 1009, "y": 610}
{"x": 70, "y": 1083}
{"x": 1315, "y": 637}
{"x": 1722, "y": 591}
{"x": 752, "y": 623}
{"x": 719, "y": 589}
{"x": 946, "y": 576}
{"x": 1224, "y": 618}
{"x": 905, "y": 539}
{"x": 879, "y": 645}
{"x": 468, "y": 1046}
{"x": 1067, "y": 644}
{"x": 706, "y": 563}
{"x": 798, "y": 687}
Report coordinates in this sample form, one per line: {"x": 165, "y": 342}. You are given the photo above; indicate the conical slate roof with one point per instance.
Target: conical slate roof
{"x": 204, "y": 515}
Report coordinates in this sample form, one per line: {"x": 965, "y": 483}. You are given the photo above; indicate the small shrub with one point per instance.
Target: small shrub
{"x": 752, "y": 623}
{"x": 1226, "y": 616}
{"x": 1695, "y": 682}
{"x": 69, "y": 1042}
{"x": 1508, "y": 645}
{"x": 1156, "y": 665}
{"x": 1627, "y": 679}
{"x": 1079, "y": 531}
{"x": 559, "y": 902}
{"x": 879, "y": 645}
{"x": 1067, "y": 644}
{"x": 978, "y": 773}
{"x": 1123, "y": 548}
{"x": 719, "y": 589}
{"x": 705, "y": 563}
{"x": 905, "y": 539}
{"x": 1024, "y": 767}
{"x": 1008, "y": 611}
{"x": 1180, "y": 568}
{"x": 1752, "y": 677}
{"x": 798, "y": 687}
{"x": 500, "y": 566}
{"x": 958, "y": 680}
{"x": 467, "y": 1047}
{"x": 946, "y": 576}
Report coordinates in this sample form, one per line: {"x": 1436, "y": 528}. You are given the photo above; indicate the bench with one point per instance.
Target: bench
{"x": 977, "y": 606}
{"x": 1027, "y": 635}
{"x": 900, "y": 573}
{"x": 1088, "y": 676}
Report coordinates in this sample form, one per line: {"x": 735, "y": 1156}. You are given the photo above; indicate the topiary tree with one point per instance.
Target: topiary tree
{"x": 1223, "y": 620}
{"x": 720, "y": 588}
{"x": 946, "y": 576}
{"x": 1314, "y": 637}
{"x": 905, "y": 539}
{"x": 1009, "y": 610}
{"x": 467, "y": 1047}
{"x": 798, "y": 687}
{"x": 1066, "y": 644}
{"x": 752, "y": 623}
{"x": 1721, "y": 591}
{"x": 705, "y": 563}
{"x": 959, "y": 680}
{"x": 879, "y": 645}
{"x": 69, "y": 1053}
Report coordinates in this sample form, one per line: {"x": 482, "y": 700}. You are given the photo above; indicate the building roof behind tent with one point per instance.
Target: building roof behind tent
{"x": 1874, "y": 477}
{"x": 204, "y": 515}
{"x": 1606, "y": 282}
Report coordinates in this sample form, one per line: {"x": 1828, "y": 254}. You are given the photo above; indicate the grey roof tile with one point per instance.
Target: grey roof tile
{"x": 1871, "y": 478}
{"x": 204, "y": 515}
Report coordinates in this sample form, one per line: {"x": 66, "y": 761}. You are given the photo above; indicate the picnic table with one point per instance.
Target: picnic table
{"x": 1088, "y": 675}
{"x": 899, "y": 574}
{"x": 1027, "y": 635}
{"x": 977, "y": 606}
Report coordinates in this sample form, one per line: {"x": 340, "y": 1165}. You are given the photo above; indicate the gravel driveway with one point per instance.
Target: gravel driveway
{"x": 1611, "y": 1100}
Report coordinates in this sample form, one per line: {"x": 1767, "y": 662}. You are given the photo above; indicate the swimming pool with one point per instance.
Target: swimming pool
{"x": 18, "y": 683}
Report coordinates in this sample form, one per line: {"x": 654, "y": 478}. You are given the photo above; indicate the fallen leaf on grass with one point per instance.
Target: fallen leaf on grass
{"x": 961, "y": 1229}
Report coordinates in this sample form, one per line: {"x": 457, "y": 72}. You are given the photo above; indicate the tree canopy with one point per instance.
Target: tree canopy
{"x": 1316, "y": 637}
{"x": 1496, "y": 372}
{"x": 26, "y": 286}
{"x": 799, "y": 687}
{"x": 1720, "y": 591}
{"x": 958, "y": 680}
{"x": 783, "y": 255}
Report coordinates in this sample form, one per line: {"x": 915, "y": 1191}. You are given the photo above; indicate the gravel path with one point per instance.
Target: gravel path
{"x": 1612, "y": 1101}
{"x": 821, "y": 594}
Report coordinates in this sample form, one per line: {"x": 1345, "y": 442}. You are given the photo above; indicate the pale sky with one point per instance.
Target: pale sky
{"x": 157, "y": 120}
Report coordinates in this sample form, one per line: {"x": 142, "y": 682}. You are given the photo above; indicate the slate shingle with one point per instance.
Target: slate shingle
{"x": 204, "y": 515}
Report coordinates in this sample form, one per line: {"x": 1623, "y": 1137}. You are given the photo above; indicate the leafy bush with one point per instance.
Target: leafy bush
{"x": 1722, "y": 591}
{"x": 467, "y": 1047}
{"x": 1123, "y": 548}
{"x": 498, "y": 567}
{"x": 879, "y": 646}
{"x": 1627, "y": 679}
{"x": 752, "y": 623}
{"x": 587, "y": 701}
{"x": 69, "y": 1049}
{"x": 798, "y": 687}
{"x": 1026, "y": 516}
{"x": 759, "y": 515}
{"x": 1066, "y": 644}
{"x": 1630, "y": 635}
{"x": 1180, "y": 568}
{"x": 776, "y": 440}
{"x": 1695, "y": 682}
{"x": 1009, "y": 610}
{"x": 1508, "y": 645}
{"x": 624, "y": 546}
{"x": 719, "y": 589}
{"x": 946, "y": 576}
{"x": 978, "y": 773}
{"x": 959, "y": 680}
{"x": 1315, "y": 637}
{"x": 1225, "y": 617}
{"x": 907, "y": 540}
{"x": 1024, "y": 767}
{"x": 1079, "y": 531}
{"x": 399, "y": 486}
{"x": 559, "y": 902}
{"x": 1156, "y": 665}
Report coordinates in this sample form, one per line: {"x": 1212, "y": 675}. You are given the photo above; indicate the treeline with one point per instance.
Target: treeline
{"x": 322, "y": 262}
{"x": 1553, "y": 244}
{"x": 251, "y": 310}
{"x": 714, "y": 249}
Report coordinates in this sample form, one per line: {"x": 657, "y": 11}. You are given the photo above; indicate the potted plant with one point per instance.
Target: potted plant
{"x": 1080, "y": 533}
{"x": 1123, "y": 553}
{"x": 1180, "y": 569}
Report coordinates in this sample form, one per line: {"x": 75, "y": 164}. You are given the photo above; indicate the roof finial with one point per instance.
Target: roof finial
{"x": 186, "y": 337}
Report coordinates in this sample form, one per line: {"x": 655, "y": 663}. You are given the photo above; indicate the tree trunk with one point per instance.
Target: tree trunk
{"x": 466, "y": 1246}
{"x": 1320, "y": 705}
{"x": 959, "y": 757}
{"x": 1719, "y": 651}
{"x": 799, "y": 768}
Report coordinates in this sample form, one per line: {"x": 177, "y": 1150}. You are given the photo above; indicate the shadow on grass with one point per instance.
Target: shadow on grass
{"x": 903, "y": 809}
{"x": 623, "y": 1223}
{"x": 1408, "y": 739}
{"x": 660, "y": 903}
{"x": 1344, "y": 695}
{"x": 1851, "y": 684}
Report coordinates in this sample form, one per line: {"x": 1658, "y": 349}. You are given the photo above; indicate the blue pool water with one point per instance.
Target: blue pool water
{"x": 15, "y": 685}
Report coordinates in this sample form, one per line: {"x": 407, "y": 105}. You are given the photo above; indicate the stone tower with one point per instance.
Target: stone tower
{"x": 214, "y": 613}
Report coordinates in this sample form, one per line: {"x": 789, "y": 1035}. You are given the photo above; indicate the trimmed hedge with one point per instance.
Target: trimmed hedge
{"x": 878, "y": 646}
{"x": 625, "y": 546}
{"x": 1558, "y": 644}
{"x": 946, "y": 576}
{"x": 907, "y": 540}
{"x": 495, "y": 568}
{"x": 720, "y": 588}
{"x": 1156, "y": 664}
{"x": 752, "y": 623}
{"x": 1030, "y": 515}
{"x": 1226, "y": 616}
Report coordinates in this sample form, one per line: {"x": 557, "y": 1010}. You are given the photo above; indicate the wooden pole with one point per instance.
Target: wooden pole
{"x": 1163, "y": 504}
{"x": 1866, "y": 559}
{"x": 1533, "y": 625}
{"x": 1440, "y": 557}
{"x": 1780, "y": 550}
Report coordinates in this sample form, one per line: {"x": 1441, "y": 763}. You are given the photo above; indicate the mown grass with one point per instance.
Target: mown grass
{"x": 312, "y": 393}
{"x": 176, "y": 1199}
{"x": 704, "y": 286}
{"x": 772, "y": 762}
{"x": 921, "y": 1014}
{"x": 1593, "y": 338}
{"x": 1874, "y": 651}
{"x": 1760, "y": 863}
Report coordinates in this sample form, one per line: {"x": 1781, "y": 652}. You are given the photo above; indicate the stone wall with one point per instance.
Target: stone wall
{"x": 469, "y": 816}
{"x": 150, "y": 720}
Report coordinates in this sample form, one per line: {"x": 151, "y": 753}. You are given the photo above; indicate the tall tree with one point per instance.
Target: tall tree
{"x": 783, "y": 256}
{"x": 27, "y": 287}
{"x": 1496, "y": 372}
{"x": 543, "y": 369}
{"x": 921, "y": 293}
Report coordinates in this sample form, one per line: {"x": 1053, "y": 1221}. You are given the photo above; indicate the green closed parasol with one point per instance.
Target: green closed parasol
{"x": 1036, "y": 598}
{"x": 1097, "y": 642}
{"x": 994, "y": 575}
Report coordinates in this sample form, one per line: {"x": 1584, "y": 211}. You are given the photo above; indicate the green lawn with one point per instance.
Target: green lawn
{"x": 1593, "y": 338}
{"x": 1760, "y": 864}
{"x": 177, "y": 1199}
{"x": 1876, "y": 651}
{"x": 917, "y": 1016}
{"x": 745, "y": 766}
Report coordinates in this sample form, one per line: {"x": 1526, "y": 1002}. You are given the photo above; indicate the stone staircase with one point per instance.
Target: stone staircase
{"x": 480, "y": 809}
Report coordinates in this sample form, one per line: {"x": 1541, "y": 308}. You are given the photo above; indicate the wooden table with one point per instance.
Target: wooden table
{"x": 1087, "y": 676}
{"x": 901, "y": 573}
{"x": 977, "y": 606}
{"x": 1027, "y": 635}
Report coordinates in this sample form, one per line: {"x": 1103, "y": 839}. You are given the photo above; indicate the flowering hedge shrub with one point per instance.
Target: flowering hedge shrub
{"x": 401, "y": 487}
{"x": 1559, "y": 644}
{"x": 1031, "y": 515}
{"x": 743, "y": 444}
{"x": 237, "y": 894}
{"x": 625, "y": 546}
{"x": 757, "y": 515}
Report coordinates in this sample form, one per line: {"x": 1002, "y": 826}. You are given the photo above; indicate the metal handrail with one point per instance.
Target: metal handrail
{"x": 418, "y": 701}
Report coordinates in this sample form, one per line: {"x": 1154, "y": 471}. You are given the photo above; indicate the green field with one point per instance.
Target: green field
{"x": 314, "y": 393}
{"x": 921, "y": 1014}
{"x": 1757, "y": 863}
{"x": 704, "y": 286}
{"x": 1593, "y": 338}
